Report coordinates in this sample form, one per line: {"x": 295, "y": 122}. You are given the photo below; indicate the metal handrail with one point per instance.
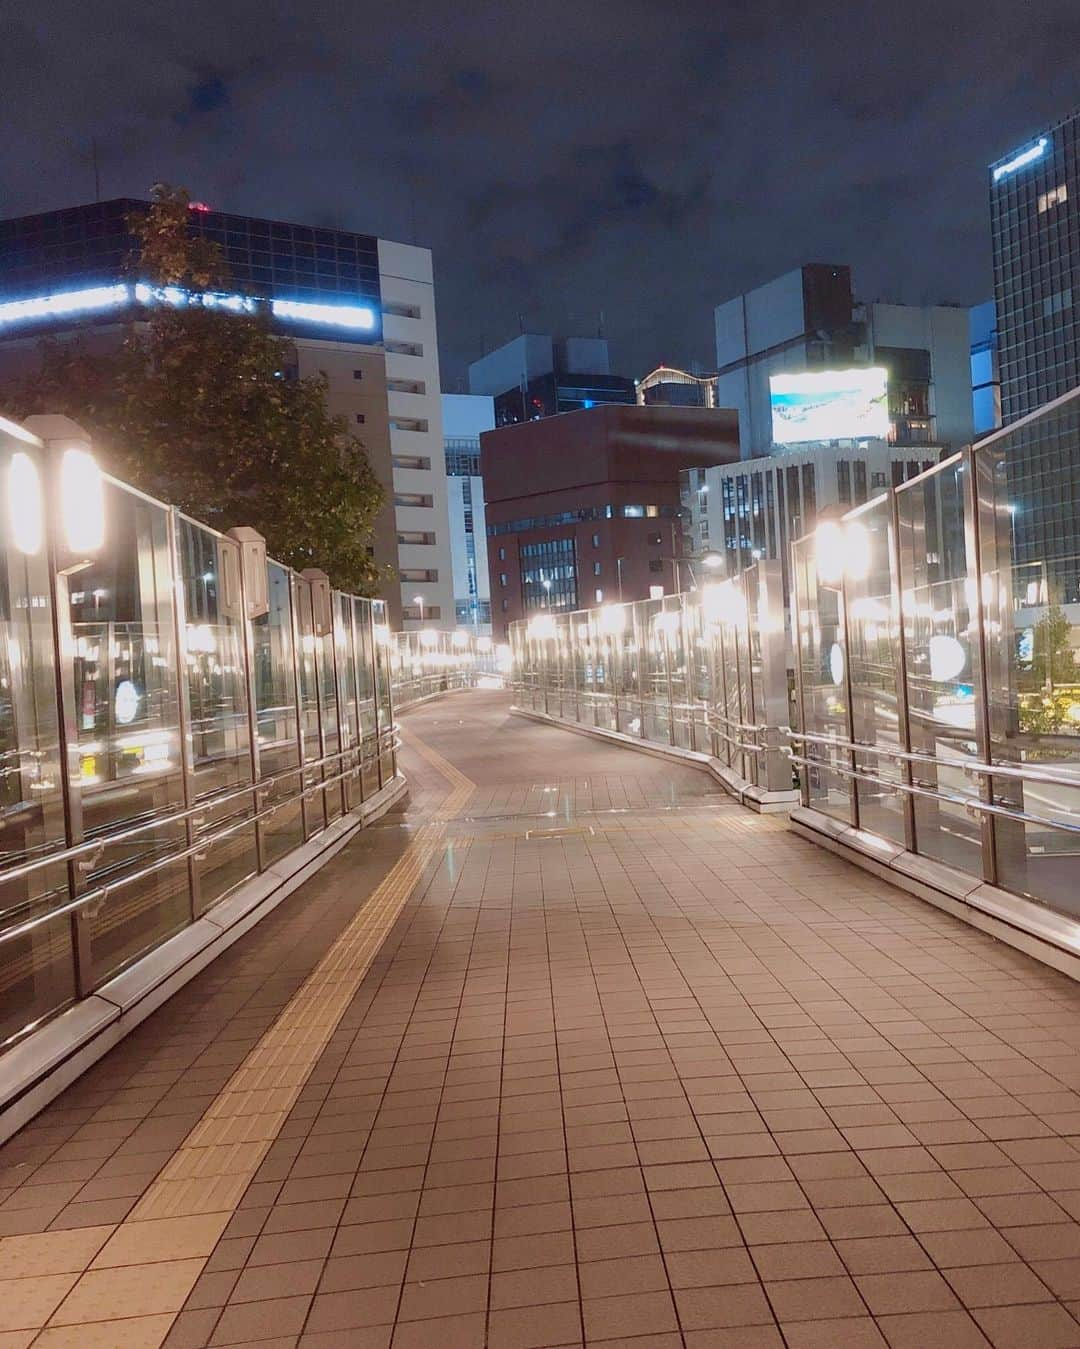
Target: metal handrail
{"x": 198, "y": 849}
{"x": 100, "y": 841}
{"x": 968, "y": 766}
{"x": 968, "y": 803}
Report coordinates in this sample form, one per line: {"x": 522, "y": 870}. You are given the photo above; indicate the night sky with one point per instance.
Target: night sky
{"x": 645, "y": 160}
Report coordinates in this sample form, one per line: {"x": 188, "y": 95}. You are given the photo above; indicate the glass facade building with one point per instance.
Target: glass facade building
{"x": 82, "y": 247}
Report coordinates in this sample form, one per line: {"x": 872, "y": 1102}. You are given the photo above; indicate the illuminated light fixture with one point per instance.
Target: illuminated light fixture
{"x": 199, "y": 206}
{"x": 667, "y": 621}
{"x": 179, "y": 298}
{"x": 842, "y": 549}
{"x": 713, "y": 561}
{"x": 836, "y": 663}
{"x": 483, "y": 645}
{"x": 63, "y": 303}
{"x": 460, "y": 638}
{"x": 429, "y": 637}
{"x": 612, "y": 619}
{"x": 1027, "y": 156}
{"x": 82, "y": 502}
{"x": 24, "y": 503}
{"x": 947, "y": 657}
{"x": 336, "y": 315}
{"x": 542, "y": 627}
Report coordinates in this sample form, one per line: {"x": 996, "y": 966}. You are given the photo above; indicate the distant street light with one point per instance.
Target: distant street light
{"x": 418, "y": 600}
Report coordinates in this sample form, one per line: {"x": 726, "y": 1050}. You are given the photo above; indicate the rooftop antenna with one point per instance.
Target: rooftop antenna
{"x": 97, "y": 171}
{"x": 600, "y": 328}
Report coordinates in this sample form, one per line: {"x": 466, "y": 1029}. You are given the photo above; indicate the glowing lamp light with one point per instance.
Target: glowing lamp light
{"x": 24, "y": 503}
{"x": 429, "y": 638}
{"x": 82, "y": 502}
{"x": 483, "y": 645}
{"x": 712, "y": 560}
{"x": 667, "y": 621}
{"x": 612, "y": 619}
{"x": 836, "y": 664}
{"x": 947, "y": 657}
{"x": 542, "y": 627}
{"x": 460, "y": 638}
{"x": 842, "y": 549}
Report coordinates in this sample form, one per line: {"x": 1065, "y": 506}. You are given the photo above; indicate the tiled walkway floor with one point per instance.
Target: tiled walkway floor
{"x": 633, "y": 1068}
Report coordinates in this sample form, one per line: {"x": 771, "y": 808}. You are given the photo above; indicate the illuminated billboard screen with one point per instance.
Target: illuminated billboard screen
{"x": 829, "y": 405}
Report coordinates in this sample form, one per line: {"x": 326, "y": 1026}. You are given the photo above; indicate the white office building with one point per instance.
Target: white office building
{"x": 464, "y": 417}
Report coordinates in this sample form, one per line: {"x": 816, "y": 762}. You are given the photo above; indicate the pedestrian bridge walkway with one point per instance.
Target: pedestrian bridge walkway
{"x": 568, "y": 1049}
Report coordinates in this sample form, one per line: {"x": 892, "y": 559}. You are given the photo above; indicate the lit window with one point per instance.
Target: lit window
{"x": 599, "y": 595}
{"x": 596, "y": 568}
{"x": 596, "y": 540}
{"x": 1055, "y": 197}
{"x": 502, "y": 578}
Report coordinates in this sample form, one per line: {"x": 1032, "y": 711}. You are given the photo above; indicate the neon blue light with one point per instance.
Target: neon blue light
{"x": 337, "y": 315}
{"x": 66, "y": 302}
{"x": 13, "y": 312}
{"x": 587, "y": 403}
{"x": 1018, "y": 161}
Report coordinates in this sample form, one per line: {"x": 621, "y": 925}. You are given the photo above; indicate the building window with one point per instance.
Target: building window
{"x": 596, "y": 540}
{"x": 503, "y": 578}
{"x": 502, "y": 554}
{"x": 1055, "y": 197}
{"x": 413, "y": 499}
{"x": 404, "y": 348}
{"x": 400, "y": 311}
{"x": 415, "y": 536}
{"x": 656, "y": 564}
{"x": 408, "y": 424}
{"x": 549, "y": 574}
{"x": 418, "y": 573}
{"x": 358, "y": 374}
{"x": 360, "y": 418}
{"x": 406, "y": 386}
{"x": 633, "y": 512}
{"x": 429, "y": 611}
{"x": 505, "y": 605}
{"x": 411, "y": 461}
{"x": 596, "y": 568}
{"x": 599, "y": 595}
{"x": 1057, "y": 303}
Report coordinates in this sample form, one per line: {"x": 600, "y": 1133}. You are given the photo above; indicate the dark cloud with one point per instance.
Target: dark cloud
{"x": 561, "y": 159}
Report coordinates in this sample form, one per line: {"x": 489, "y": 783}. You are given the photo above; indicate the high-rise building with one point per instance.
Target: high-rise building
{"x": 809, "y": 319}
{"x": 1035, "y": 228}
{"x": 585, "y": 508}
{"x": 985, "y": 372}
{"x": 358, "y": 308}
{"x": 465, "y": 417}
{"x": 758, "y": 507}
{"x": 535, "y": 376}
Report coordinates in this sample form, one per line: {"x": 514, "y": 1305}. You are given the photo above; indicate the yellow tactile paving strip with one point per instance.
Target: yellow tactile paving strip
{"x": 64, "y": 1288}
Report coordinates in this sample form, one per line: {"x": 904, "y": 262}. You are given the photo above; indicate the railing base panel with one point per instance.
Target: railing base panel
{"x": 37, "y": 1069}
{"x": 1049, "y": 937}
{"x": 754, "y": 798}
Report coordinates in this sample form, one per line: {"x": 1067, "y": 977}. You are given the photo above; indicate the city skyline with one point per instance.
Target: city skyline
{"x": 550, "y": 199}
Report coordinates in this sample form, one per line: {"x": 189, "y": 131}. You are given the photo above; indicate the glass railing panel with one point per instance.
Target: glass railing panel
{"x": 1031, "y": 597}
{"x": 873, "y": 612}
{"x": 699, "y": 653}
{"x": 218, "y": 728}
{"x": 679, "y": 682}
{"x": 369, "y": 722}
{"x": 942, "y": 658}
{"x": 345, "y": 656}
{"x": 276, "y": 719}
{"x": 328, "y": 717}
{"x": 821, "y": 681}
{"x": 125, "y": 709}
{"x": 656, "y": 687}
{"x": 307, "y": 646}
{"x": 383, "y": 697}
{"x": 36, "y": 969}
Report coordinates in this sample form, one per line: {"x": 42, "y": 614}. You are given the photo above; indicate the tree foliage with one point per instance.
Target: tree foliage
{"x": 203, "y": 408}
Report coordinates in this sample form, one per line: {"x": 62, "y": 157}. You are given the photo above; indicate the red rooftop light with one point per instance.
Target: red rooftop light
{"x": 198, "y": 206}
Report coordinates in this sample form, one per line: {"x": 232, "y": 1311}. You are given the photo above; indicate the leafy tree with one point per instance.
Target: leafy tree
{"x": 201, "y": 407}
{"x": 1053, "y": 661}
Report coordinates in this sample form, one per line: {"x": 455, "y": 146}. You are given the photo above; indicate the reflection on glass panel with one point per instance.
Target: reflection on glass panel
{"x": 369, "y": 728}
{"x": 217, "y": 702}
{"x": 656, "y": 689}
{"x": 1031, "y": 597}
{"x": 382, "y": 692}
{"x": 307, "y": 646}
{"x": 942, "y": 663}
{"x": 36, "y": 969}
{"x": 674, "y": 637}
{"x": 126, "y": 718}
{"x": 275, "y": 714}
{"x": 328, "y": 712}
{"x": 873, "y": 635}
{"x": 821, "y": 677}
{"x": 345, "y": 652}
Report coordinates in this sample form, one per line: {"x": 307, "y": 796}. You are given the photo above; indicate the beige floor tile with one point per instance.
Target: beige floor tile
{"x": 137, "y": 1332}
{"x": 26, "y": 1304}
{"x": 137, "y": 1290}
{"x": 140, "y": 1243}
{"x": 50, "y": 1252}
